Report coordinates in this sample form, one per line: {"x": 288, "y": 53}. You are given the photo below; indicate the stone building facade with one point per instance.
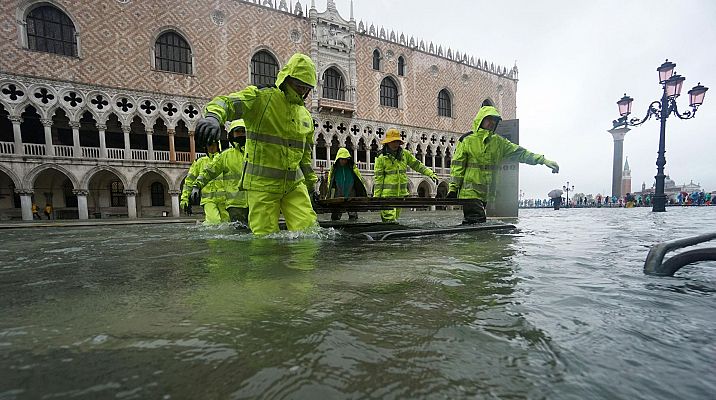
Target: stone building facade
{"x": 98, "y": 100}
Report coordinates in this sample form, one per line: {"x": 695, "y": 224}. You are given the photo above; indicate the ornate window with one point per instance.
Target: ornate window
{"x": 172, "y": 53}
{"x": 157, "y": 190}
{"x": 116, "y": 194}
{"x": 401, "y": 66}
{"x": 444, "y": 104}
{"x": 333, "y": 86}
{"x": 51, "y": 31}
{"x": 376, "y": 60}
{"x": 264, "y": 68}
{"x": 388, "y": 93}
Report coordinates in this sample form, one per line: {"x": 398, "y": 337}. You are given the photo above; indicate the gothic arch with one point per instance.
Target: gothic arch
{"x": 87, "y": 178}
{"x": 144, "y": 171}
{"x": 13, "y": 177}
{"x": 174, "y": 29}
{"x": 258, "y": 49}
{"x": 32, "y": 175}
{"x": 26, "y": 6}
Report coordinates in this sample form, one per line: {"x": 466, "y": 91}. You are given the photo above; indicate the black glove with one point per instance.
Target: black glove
{"x": 195, "y": 195}
{"x": 208, "y": 130}
{"x": 451, "y": 195}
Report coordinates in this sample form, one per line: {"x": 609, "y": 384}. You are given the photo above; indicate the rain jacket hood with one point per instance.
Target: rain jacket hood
{"x": 485, "y": 111}
{"x": 300, "y": 67}
{"x": 344, "y": 153}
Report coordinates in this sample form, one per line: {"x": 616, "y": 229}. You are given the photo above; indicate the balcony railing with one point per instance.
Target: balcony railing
{"x": 200, "y": 155}
{"x": 161, "y": 155}
{"x": 140, "y": 155}
{"x": 63, "y": 151}
{"x": 336, "y": 105}
{"x": 7, "y": 148}
{"x": 115, "y": 154}
{"x": 183, "y": 156}
{"x": 33, "y": 149}
{"x": 90, "y": 152}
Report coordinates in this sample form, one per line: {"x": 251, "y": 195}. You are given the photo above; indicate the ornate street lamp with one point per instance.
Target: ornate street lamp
{"x": 661, "y": 110}
{"x": 567, "y": 189}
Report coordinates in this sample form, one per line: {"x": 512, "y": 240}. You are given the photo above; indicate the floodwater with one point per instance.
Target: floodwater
{"x": 559, "y": 309}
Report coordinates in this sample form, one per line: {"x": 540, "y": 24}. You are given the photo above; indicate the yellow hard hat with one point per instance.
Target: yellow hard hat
{"x": 239, "y": 123}
{"x": 391, "y": 136}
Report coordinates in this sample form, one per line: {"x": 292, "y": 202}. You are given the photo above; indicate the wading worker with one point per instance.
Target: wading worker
{"x": 477, "y": 158}
{"x": 345, "y": 181}
{"x": 277, "y": 173}
{"x": 391, "y": 172}
{"x": 228, "y": 166}
{"x": 212, "y": 194}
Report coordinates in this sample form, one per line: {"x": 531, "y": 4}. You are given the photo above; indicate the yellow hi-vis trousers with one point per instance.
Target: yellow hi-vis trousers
{"x": 264, "y": 210}
{"x": 215, "y": 213}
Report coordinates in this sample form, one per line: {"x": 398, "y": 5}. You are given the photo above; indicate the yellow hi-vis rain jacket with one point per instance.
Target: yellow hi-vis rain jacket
{"x": 279, "y": 130}
{"x": 478, "y": 156}
{"x": 211, "y": 192}
{"x": 227, "y": 166}
{"x": 391, "y": 174}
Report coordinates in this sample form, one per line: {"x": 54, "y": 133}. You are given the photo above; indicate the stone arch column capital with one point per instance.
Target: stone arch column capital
{"x": 80, "y": 192}
{"x": 171, "y": 132}
{"x": 175, "y": 192}
{"x": 47, "y": 122}
{"x": 102, "y": 127}
{"x": 75, "y": 124}
{"x": 25, "y": 192}
{"x": 15, "y": 119}
{"x": 130, "y": 192}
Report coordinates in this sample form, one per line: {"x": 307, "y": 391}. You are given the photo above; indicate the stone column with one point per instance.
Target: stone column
{"x": 127, "y": 144}
{"x": 172, "y": 149}
{"x": 82, "y": 202}
{"x": 131, "y": 203}
{"x": 49, "y": 148}
{"x": 618, "y": 163}
{"x": 422, "y": 158}
{"x": 150, "y": 145}
{"x": 355, "y": 154}
{"x": 25, "y": 203}
{"x": 17, "y": 133}
{"x": 102, "y": 140}
{"x": 313, "y": 156}
{"x": 77, "y": 151}
{"x": 433, "y": 161}
{"x": 192, "y": 147}
{"x": 367, "y": 157}
{"x": 175, "y": 202}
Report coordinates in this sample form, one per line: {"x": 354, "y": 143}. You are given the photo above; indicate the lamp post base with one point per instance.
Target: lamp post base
{"x": 658, "y": 203}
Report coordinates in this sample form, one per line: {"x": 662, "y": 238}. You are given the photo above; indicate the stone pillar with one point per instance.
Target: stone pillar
{"x": 82, "y": 202}
{"x": 355, "y": 154}
{"x": 313, "y": 156}
{"x": 433, "y": 161}
{"x": 192, "y": 146}
{"x": 150, "y": 145}
{"x": 175, "y": 202}
{"x": 422, "y": 158}
{"x": 77, "y": 151}
{"x": 25, "y": 203}
{"x": 49, "y": 148}
{"x": 172, "y": 149}
{"x": 367, "y": 157}
{"x": 102, "y": 140}
{"x": 618, "y": 163}
{"x": 127, "y": 144}
{"x": 17, "y": 133}
{"x": 131, "y": 203}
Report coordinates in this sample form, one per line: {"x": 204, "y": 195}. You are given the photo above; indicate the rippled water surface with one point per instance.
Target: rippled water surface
{"x": 559, "y": 309}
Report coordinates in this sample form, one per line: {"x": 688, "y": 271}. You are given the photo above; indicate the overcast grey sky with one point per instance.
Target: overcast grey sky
{"x": 576, "y": 58}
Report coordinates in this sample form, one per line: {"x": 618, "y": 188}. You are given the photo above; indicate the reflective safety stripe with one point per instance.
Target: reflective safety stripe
{"x": 458, "y": 180}
{"x": 190, "y": 176}
{"x": 390, "y": 186}
{"x": 232, "y": 176}
{"x": 268, "y": 172}
{"x": 238, "y": 108}
{"x": 266, "y": 138}
{"x": 213, "y": 195}
{"x": 220, "y": 103}
{"x": 456, "y": 163}
{"x": 483, "y": 167}
{"x": 306, "y": 169}
{"x": 476, "y": 186}
{"x": 394, "y": 172}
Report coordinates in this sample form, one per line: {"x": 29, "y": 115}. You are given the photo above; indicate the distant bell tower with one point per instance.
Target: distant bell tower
{"x": 626, "y": 178}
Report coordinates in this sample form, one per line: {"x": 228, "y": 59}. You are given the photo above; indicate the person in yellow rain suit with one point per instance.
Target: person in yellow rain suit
{"x": 391, "y": 172}
{"x": 477, "y": 156}
{"x": 228, "y": 166}
{"x": 279, "y": 138}
{"x": 212, "y": 195}
{"x": 345, "y": 180}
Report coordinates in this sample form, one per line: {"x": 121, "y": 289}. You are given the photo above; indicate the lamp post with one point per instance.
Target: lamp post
{"x": 567, "y": 189}
{"x": 661, "y": 110}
